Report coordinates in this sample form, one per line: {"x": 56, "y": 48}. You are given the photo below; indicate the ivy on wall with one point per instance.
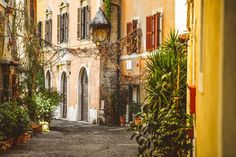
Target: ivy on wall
{"x": 108, "y": 8}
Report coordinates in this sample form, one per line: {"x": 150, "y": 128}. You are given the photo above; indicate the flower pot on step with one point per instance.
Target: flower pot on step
{"x": 137, "y": 120}
{"x": 122, "y": 121}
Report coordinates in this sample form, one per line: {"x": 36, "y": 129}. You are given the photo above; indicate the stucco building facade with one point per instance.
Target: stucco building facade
{"x": 75, "y": 69}
{"x": 155, "y": 20}
{"x": 8, "y": 56}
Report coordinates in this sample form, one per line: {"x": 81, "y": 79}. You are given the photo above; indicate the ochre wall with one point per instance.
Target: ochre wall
{"x": 208, "y": 102}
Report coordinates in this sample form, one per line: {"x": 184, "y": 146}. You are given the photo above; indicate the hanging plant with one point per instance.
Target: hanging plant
{"x": 108, "y": 8}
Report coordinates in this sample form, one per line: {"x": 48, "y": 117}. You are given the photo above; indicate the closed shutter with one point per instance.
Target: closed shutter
{"x": 61, "y": 28}
{"x": 2, "y": 30}
{"x": 50, "y": 31}
{"x": 129, "y": 30}
{"x": 58, "y": 28}
{"x": 87, "y": 13}
{"x": 40, "y": 33}
{"x": 134, "y": 41}
{"x": 149, "y": 33}
{"x": 82, "y": 23}
{"x": 66, "y": 32}
{"x": 46, "y": 31}
{"x": 79, "y": 24}
{"x": 157, "y": 30}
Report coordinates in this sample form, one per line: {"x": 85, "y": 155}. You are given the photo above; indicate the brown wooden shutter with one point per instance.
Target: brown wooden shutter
{"x": 79, "y": 24}
{"x": 61, "y": 28}
{"x": 58, "y": 29}
{"x": 135, "y": 24}
{"x": 50, "y": 31}
{"x": 46, "y": 31}
{"x": 2, "y": 31}
{"x": 66, "y": 25}
{"x": 157, "y": 30}
{"x": 134, "y": 41}
{"x": 87, "y": 10}
{"x": 149, "y": 33}
{"x": 129, "y": 30}
{"x": 82, "y": 23}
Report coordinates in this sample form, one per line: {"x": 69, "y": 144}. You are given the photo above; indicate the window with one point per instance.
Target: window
{"x": 48, "y": 31}
{"x": 62, "y": 27}
{"x": 132, "y": 38}
{"x": 48, "y": 81}
{"x": 153, "y": 31}
{"x": 40, "y": 32}
{"x": 83, "y": 23}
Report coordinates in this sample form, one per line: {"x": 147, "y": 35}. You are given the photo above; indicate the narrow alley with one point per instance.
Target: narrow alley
{"x": 73, "y": 139}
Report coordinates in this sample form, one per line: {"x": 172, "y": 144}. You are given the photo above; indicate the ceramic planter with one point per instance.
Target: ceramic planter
{"x": 122, "y": 121}
{"x": 137, "y": 120}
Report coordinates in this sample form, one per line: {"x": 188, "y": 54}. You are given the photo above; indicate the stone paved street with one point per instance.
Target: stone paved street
{"x": 72, "y": 139}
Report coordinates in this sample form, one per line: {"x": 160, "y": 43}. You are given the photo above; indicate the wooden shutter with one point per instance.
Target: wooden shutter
{"x": 134, "y": 41}
{"x": 58, "y": 29}
{"x": 82, "y": 23}
{"x": 149, "y": 33}
{"x": 135, "y": 24}
{"x": 87, "y": 13}
{"x": 40, "y": 33}
{"x": 157, "y": 30}
{"x": 2, "y": 31}
{"x": 79, "y": 24}
{"x": 50, "y": 31}
{"x": 129, "y": 30}
{"x": 46, "y": 31}
{"x": 61, "y": 28}
{"x": 66, "y": 24}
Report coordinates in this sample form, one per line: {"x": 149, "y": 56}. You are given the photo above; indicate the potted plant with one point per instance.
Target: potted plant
{"x": 135, "y": 109}
{"x": 122, "y": 120}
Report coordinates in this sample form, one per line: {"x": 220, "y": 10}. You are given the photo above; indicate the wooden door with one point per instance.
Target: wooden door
{"x": 64, "y": 95}
{"x": 84, "y": 96}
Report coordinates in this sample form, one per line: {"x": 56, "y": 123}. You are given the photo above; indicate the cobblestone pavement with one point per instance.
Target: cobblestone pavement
{"x": 72, "y": 139}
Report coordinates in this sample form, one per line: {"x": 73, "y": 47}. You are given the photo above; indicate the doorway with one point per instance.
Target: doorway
{"x": 64, "y": 94}
{"x": 84, "y": 96}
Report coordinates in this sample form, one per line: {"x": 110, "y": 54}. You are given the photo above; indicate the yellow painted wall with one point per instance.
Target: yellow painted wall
{"x": 208, "y": 100}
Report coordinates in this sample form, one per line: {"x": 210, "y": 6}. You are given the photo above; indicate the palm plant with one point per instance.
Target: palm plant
{"x": 162, "y": 130}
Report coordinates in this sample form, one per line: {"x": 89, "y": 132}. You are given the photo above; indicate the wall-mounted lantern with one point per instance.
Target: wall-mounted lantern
{"x": 100, "y": 28}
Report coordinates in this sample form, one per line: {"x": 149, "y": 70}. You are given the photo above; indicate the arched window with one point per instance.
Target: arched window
{"x": 48, "y": 81}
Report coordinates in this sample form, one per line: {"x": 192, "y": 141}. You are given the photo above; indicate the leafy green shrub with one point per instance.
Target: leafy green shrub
{"x": 14, "y": 120}
{"x": 46, "y": 102}
{"x": 163, "y": 125}
{"x": 135, "y": 107}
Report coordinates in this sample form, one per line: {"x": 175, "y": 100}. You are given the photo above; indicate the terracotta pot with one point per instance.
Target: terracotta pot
{"x": 28, "y": 137}
{"x": 122, "y": 121}
{"x": 137, "y": 120}
{"x": 22, "y": 138}
{"x": 5, "y": 145}
{"x": 37, "y": 128}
